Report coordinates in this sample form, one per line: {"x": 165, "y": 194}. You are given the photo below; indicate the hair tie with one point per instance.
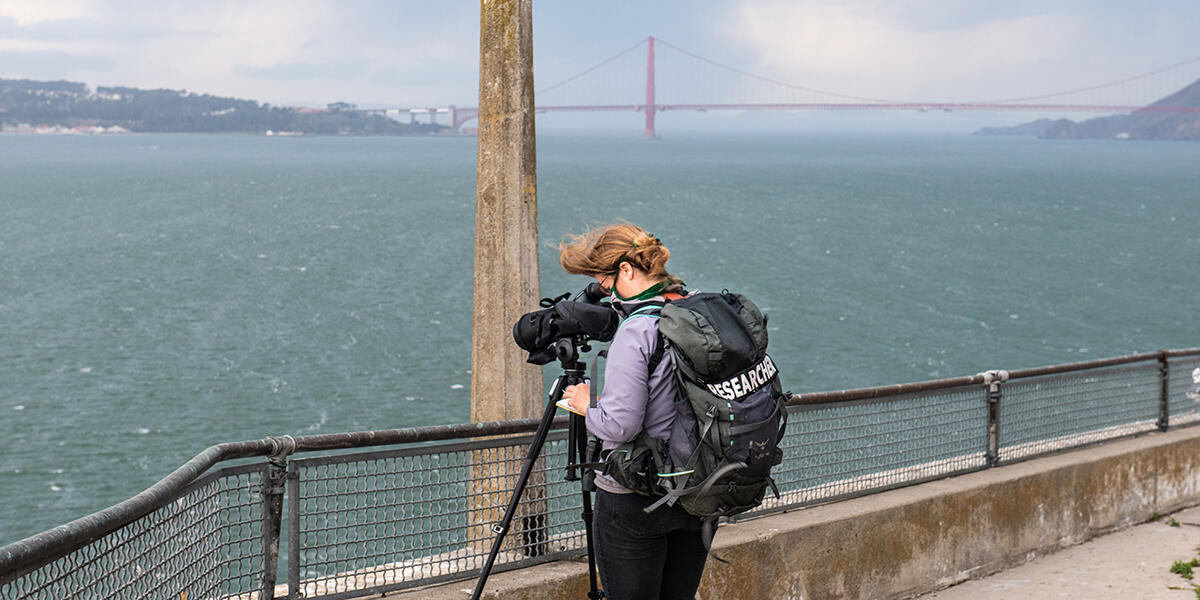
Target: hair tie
{"x": 653, "y": 240}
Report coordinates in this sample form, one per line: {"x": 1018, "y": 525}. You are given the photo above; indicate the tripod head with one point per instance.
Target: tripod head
{"x": 567, "y": 351}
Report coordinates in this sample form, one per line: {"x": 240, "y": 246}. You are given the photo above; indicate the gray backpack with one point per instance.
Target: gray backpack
{"x": 729, "y": 418}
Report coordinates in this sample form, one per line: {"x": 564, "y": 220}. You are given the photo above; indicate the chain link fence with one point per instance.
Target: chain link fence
{"x": 204, "y": 542}
{"x": 421, "y": 510}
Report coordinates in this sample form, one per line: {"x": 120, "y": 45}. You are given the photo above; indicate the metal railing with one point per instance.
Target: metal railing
{"x": 413, "y": 513}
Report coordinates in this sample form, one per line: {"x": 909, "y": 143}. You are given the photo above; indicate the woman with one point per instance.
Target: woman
{"x": 639, "y": 555}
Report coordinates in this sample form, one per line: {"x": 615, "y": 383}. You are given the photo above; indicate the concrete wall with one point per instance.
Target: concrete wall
{"x": 904, "y": 542}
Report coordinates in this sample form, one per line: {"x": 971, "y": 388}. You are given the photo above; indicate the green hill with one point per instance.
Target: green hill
{"x": 1176, "y": 117}
{"x": 70, "y": 104}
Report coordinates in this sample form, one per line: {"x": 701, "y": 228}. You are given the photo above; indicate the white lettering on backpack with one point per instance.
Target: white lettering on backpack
{"x": 742, "y": 384}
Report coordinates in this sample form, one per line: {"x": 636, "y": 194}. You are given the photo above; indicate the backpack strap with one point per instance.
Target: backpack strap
{"x": 651, "y": 310}
{"x": 660, "y": 349}
{"x": 592, "y": 386}
{"x": 674, "y": 492}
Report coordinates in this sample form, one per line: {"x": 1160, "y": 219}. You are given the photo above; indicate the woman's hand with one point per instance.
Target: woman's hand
{"x": 579, "y": 396}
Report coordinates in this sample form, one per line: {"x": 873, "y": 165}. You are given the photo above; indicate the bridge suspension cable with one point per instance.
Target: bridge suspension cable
{"x": 880, "y": 101}
{"x": 593, "y": 67}
{"x": 772, "y": 81}
{"x": 686, "y": 81}
{"x": 1095, "y": 87}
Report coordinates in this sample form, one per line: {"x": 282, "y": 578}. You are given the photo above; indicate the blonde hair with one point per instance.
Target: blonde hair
{"x": 601, "y": 250}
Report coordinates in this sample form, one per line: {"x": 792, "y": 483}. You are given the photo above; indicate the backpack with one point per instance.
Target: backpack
{"x": 729, "y": 417}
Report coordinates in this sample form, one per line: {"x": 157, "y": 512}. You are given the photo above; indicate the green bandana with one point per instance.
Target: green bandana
{"x": 646, "y": 294}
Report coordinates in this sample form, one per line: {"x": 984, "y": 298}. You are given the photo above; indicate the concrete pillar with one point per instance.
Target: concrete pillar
{"x": 503, "y": 385}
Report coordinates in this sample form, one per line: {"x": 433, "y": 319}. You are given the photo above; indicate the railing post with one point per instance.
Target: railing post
{"x": 272, "y": 496}
{"x": 1164, "y": 407}
{"x": 293, "y": 502}
{"x": 993, "y": 379}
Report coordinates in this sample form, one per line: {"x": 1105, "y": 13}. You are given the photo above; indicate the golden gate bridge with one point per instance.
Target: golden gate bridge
{"x": 700, "y": 76}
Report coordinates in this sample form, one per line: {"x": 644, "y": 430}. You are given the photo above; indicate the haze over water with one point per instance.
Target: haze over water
{"x": 160, "y": 294}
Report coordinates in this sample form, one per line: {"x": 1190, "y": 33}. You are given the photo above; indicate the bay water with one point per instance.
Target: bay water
{"x": 163, "y": 293}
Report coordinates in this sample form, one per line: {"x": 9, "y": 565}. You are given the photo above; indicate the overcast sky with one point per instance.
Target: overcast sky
{"x": 379, "y": 53}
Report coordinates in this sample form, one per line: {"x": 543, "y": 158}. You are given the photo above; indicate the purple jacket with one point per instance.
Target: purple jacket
{"x": 633, "y": 399}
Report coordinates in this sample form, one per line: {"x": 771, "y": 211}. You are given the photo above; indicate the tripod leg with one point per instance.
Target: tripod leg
{"x": 588, "y": 452}
{"x": 501, "y": 529}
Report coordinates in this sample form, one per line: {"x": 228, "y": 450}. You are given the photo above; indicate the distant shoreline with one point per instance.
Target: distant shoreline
{"x": 74, "y": 132}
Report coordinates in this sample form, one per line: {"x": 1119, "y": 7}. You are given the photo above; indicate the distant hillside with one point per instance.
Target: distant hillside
{"x": 1034, "y": 128}
{"x": 1155, "y": 122}
{"x": 71, "y": 105}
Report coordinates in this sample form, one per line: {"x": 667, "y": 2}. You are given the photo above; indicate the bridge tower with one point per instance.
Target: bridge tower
{"x": 649, "y": 108}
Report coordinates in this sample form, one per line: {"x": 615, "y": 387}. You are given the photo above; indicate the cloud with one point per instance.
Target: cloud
{"x": 367, "y": 51}
{"x": 82, "y": 30}
{"x": 24, "y": 11}
{"x": 341, "y": 70}
{"x": 42, "y": 64}
{"x": 872, "y": 50}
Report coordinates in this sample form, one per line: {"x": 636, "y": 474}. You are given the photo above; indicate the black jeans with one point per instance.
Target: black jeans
{"x": 643, "y": 556}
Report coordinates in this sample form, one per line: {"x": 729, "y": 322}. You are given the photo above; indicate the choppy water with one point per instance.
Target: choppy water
{"x": 159, "y": 294}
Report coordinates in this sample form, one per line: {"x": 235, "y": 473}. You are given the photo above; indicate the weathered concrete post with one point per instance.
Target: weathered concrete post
{"x": 503, "y": 385}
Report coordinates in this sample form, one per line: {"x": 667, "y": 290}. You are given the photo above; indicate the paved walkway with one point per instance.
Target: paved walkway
{"x": 1134, "y": 563}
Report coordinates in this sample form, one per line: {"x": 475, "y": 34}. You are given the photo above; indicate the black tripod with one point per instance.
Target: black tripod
{"x": 579, "y": 452}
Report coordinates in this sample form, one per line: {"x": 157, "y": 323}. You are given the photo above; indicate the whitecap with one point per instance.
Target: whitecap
{"x": 85, "y": 370}
{"x": 19, "y": 407}
{"x": 143, "y": 430}
{"x": 55, "y": 488}
{"x": 1013, "y": 316}
{"x": 457, "y": 386}
{"x": 410, "y": 398}
{"x": 323, "y": 420}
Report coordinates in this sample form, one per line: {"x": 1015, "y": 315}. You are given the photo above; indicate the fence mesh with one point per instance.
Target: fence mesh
{"x": 838, "y": 450}
{"x": 420, "y": 514}
{"x": 389, "y": 520}
{"x": 205, "y": 543}
{"x": 1184, "y": 409}
{"x": 1050, "y": 413}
